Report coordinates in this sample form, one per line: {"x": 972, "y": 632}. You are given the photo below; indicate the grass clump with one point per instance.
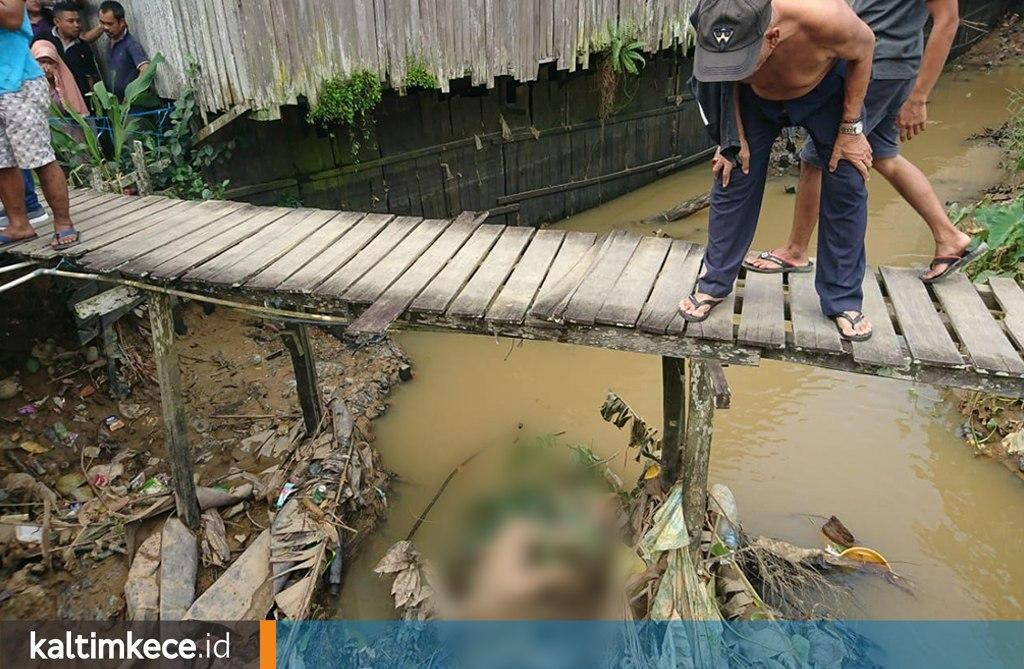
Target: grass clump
{"x": 347, "y": 100}
{"x": 418, "y": 76}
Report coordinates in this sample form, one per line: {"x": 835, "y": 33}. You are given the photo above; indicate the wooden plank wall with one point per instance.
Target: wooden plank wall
{"x": 267, "y": 53}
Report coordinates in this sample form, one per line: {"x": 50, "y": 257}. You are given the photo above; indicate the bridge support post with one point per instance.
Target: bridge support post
{"x": 697, "y": 444}
{"x": 689, "y": 397}
{"x": 674, "y": 410}
{"x": 296, "y": 339}
{"x": 175, "y": 430}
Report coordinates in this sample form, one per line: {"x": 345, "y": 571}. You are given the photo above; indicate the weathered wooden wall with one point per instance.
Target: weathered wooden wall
{"x": 531, "y": 152}
{"x": 267, "y": 53}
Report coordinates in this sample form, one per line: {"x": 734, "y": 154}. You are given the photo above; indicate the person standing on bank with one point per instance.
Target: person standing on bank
{"x": 126, "y": 58}
{"x": 25, "y": 133}
{"x": 905, "y": 71}
{"x": 76, "y": 53}
{"x": 789, "y": 62}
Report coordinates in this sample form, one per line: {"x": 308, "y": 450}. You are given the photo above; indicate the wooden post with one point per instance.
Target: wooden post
{"x": 674, "y": 409}
{"x": 296, "y": 340}
{"x": 176, "y": 436}
{"x": 697, "y": 445}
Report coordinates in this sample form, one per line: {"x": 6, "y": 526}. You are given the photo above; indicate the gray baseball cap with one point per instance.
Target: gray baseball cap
{"x": 729, "y": 34}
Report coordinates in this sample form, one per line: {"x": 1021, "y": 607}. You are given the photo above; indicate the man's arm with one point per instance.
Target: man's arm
{"x": 91, "y": 35}
{"x": 945, "y": 21}
{"x": 836, "y": 26}
{"x": 12, "y": 14}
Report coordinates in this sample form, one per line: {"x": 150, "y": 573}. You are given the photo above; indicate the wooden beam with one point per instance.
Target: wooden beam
{"x": 296, "y": 339}
{"x": 173, "y": 407}
{"x": 674, "y": 413}
{"x": 720, "y": 384}
{"x": 220, "y": 122}
{"x": 700, "y": 413}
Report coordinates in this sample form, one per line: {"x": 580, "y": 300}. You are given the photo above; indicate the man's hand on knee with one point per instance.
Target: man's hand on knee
{"x": 854, "y": 149}
{"x": 722, "y": 167}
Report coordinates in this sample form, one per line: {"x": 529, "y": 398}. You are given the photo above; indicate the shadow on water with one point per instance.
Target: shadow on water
{"x": 798, "y": 443}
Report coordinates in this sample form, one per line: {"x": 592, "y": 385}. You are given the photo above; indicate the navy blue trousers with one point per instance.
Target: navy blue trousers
{"x": 843, "y": 219}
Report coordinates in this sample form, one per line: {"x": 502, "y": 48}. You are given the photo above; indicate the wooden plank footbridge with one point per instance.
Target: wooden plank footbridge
{"x": 371, "y": 271}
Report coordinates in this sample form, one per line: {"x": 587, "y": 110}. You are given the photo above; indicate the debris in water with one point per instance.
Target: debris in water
{"x": 837, "y": 533}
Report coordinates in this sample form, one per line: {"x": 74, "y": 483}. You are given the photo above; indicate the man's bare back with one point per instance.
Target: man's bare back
{"x": 807, "y": 49}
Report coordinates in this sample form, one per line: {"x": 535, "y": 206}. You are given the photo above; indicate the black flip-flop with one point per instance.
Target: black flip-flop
{"x": 697, "y": 304}
{"x": 852, "y": 320}
{"x": 954, "y": 263}
{"x": 784, "y": 266}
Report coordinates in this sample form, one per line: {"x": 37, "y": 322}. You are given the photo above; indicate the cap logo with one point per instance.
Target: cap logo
{"x": 722, "y": 35}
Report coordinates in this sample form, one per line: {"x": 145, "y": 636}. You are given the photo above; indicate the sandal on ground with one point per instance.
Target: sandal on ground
{"x": 784, "y": 266}
{"x": 63, "y": 239}
{"x": 697, "y": 304}
{"x": 953, "y": 263}
{"x": 7, "y": 240}
{"x": 852, "y": 320}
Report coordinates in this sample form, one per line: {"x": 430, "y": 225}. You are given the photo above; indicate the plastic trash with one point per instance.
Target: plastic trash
{"x": 724, "y": 503}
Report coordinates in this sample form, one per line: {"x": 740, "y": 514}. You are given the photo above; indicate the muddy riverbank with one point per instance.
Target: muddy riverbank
{"x": 241, "y": 405}
{"x": 798, "y": 443}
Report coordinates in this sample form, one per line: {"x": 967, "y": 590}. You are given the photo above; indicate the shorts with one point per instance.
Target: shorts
{"x": 882, "y": 105}
{"x": 25, "y": 126}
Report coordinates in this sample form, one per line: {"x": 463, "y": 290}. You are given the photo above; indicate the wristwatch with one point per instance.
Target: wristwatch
{"x": 855, "y": 127}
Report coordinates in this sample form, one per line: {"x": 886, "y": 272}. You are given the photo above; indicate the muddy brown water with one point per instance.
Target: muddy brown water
{"x": 880, "y": 454}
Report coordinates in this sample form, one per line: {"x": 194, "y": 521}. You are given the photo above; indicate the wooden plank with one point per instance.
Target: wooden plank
{"x": 307, "y": 250}
{"x": 585, "y": 304}
{"x": 987, "y": 346}
{"x": 373, "y": 284}
{"x": 923, "y": 329}
{"x": 762, "y": 319}
{"x": 140, "y": 243}
{"x": 1011, "y": 299}
{"x": 627, "y": 298}
{"x": 675, "y": 281}
{"x": 400, "y": 295}
{"x": 574, "y": 247}
{"x": 515, "y": 298}
{"x": 365, "y": 260}
{"x": 884, "y": 347}
{"x": 99, "y": 220}
{"x": 92, "y": 206}
{"x": 554, "y": 296}
{"x": 116, "y": 227}
{"x": 210, "y": 248}
{"x": 143, "y": 265}
{"x": 251, "y": 255}
{"x": 474, "y": 299}
{"x": 335, "y": 255}
{"x": 439, "y": 293}
{"x": 812, "y": 330}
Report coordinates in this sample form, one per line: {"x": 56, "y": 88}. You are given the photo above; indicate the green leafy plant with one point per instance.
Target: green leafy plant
{"x": 83, "y": 145}
{"x": 623, "y": 58}
{"x": 175, "y": 162}
{"x": 1002, "y": 226}
{"x": 417, "y": 75}
{"x": 624, "y": 49}
{"x": 346, "y": 100}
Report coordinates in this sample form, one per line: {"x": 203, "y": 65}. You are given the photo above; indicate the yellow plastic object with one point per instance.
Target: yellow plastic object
{"x": 864, "y": 554}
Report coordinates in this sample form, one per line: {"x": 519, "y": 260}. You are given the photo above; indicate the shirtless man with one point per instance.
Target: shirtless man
{"x": 796, "y": 63}
{"x": 905, "y": 71}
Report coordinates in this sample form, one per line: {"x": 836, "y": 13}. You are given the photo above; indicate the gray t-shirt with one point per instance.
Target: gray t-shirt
{"x": 899, "y": 35}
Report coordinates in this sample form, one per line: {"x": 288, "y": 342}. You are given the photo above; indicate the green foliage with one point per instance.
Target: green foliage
{"x": 624, "y": 49}
{"x": 290, "y": 200}
{"x": 175, "y": 163}
{"x": 346, "y": 100}
{"x": 84, "y": 144}
{"x": 1002, "y": 226}
{"x": 1015, "y": 130}
{"x": 417, "y": 75}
